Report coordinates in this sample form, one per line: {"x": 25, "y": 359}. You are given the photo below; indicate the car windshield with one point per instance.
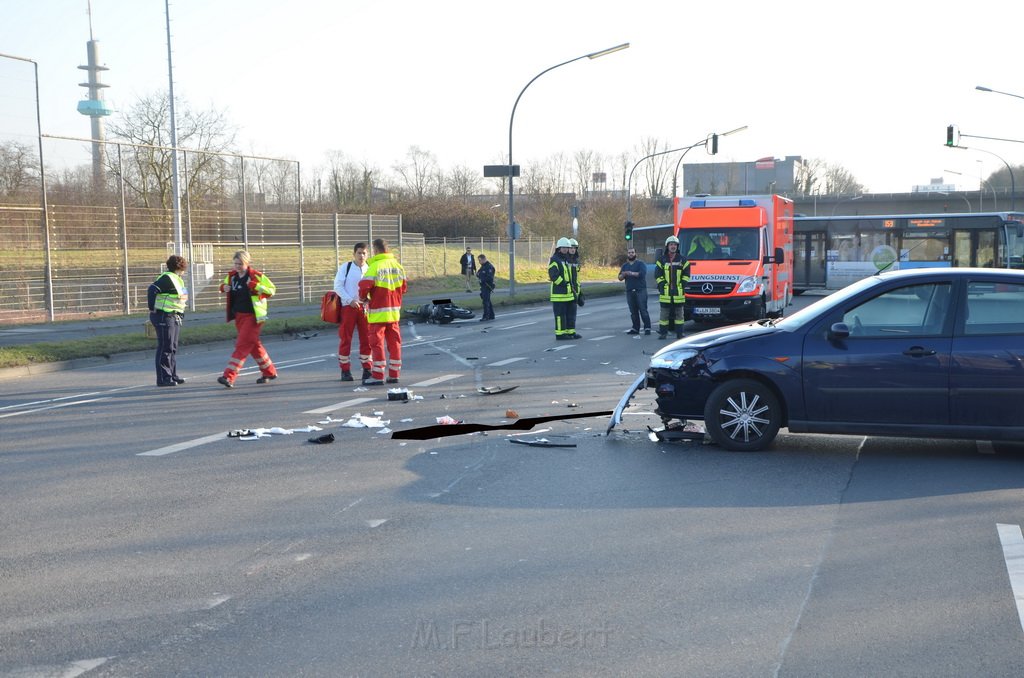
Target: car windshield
{"x": 710, "y": 244}
{"x": 814, "y": 311}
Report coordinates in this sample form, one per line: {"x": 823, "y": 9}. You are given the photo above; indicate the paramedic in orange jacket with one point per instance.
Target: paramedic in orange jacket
{"x": 381, "y": 289}
{"x": 247, "y": 291}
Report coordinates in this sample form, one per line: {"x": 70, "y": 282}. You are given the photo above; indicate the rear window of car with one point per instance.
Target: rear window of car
{"x": 994, "y": 308}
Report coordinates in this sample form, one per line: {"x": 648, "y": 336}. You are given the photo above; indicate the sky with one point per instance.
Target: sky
{"x": 870, "y": 85}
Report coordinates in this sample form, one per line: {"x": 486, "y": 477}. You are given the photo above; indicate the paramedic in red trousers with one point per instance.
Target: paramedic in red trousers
{"x": 672, "y": 272}
{"x": 167, "y": 296}
{"x": 562, "y": 274}
{"x": 381, "y": 289}
{"x": 247, "y": 292}
{"x": 353, "y": 315}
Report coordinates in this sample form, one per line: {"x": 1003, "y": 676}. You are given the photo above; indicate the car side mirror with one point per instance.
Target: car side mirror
{"x": 778, "y": 258}
{"x": 839, "y": 331}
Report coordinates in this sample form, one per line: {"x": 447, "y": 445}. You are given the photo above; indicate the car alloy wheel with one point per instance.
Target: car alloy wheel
{"x": 742, "y": 415}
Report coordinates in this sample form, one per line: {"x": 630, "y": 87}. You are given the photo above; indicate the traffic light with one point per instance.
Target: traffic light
{"x": 714, "y": 144}
{"x": 949, "y": 136}
{"x": 628, "y": 228}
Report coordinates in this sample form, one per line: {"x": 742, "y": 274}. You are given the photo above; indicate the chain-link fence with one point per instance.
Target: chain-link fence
{"x": 107, "y": 234}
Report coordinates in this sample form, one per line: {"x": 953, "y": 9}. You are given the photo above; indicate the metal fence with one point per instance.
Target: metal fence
{"x": 99, "y": 260}
{"x": 98, "y": 243}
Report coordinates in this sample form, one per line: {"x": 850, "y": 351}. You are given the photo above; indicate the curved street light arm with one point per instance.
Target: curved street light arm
{"x": 1013, "y": 182}
{"x": 511, "y": 192}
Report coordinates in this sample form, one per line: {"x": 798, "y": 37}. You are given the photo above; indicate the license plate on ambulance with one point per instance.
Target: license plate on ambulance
{"x": 705, "y": 310}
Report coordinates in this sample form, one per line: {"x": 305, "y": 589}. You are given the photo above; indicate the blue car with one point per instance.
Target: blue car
{"x": 923, "y": 353}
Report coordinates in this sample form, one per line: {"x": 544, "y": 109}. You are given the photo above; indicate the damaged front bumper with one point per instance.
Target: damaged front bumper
{"x": 616, "y": 417}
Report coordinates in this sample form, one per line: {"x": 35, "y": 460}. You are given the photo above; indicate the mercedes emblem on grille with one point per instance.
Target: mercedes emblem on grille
{"x": 707, "y": 288}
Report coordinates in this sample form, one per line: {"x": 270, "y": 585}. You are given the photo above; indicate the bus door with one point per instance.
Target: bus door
{"x": 809, "y": 259}
{"x": 975, "y": 248}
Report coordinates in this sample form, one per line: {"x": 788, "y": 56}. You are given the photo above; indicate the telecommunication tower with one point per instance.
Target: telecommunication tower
{"x": 94, "y": 106}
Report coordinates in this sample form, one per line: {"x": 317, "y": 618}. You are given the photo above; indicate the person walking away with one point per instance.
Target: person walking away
{"x": 672, "y": 272}
{"x": 247, "y": 291}
{"x": 353, "y": 314}
{"x": 486, "y": 277}
{"x": 166, "y": 298}
{"x": 468, "y": 263}
{"x": 634, "y": 273}
{"x": 563, "y": 295}
{"x": 381, "y": 289}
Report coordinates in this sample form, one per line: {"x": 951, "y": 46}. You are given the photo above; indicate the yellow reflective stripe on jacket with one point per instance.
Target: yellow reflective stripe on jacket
{"x": 561, "y": 280}
{"x": 171, "y": 302}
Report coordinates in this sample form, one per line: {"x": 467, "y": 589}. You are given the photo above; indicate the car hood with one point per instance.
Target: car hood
{"x": 721, "y": 335}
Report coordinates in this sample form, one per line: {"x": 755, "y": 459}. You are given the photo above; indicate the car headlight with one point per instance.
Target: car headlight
{"x": 673, "y": 360}
{"x": 747, "y": 285}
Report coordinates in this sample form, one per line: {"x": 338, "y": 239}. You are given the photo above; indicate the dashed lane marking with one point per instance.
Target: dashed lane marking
{"x": 1013, "y": 553}
{"x": 436, "y": 380}
{"x": 337, "y": 406}
{"x": 507, "y": 361}
{"x": 187, "y": 445}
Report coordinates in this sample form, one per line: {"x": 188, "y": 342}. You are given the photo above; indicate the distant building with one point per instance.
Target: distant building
{"x": 764, "y": 175}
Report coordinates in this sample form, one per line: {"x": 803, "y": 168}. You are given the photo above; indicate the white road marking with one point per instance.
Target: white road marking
{"x": 53, "y": 407}
{"x": 98, "y": 615}
{"x": 68, "y": 670}
{"x": 512, "y": 327}
{"x": 337, "y": 406}
{"x": 1013, "y": 554}
{"x": 437, "y": 380}
{"x": 377, "y": 522}
{"x": 559, "y": 348}
{"x": 601, "y": 338}
{"x": 188, "y": 444}
{"x": 507, "y": 361}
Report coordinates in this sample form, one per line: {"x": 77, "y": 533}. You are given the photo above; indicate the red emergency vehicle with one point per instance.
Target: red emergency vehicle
{"x": 741, "y": 256}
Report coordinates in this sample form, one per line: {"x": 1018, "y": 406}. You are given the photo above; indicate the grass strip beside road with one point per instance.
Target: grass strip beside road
{"x": 104, "y": 346}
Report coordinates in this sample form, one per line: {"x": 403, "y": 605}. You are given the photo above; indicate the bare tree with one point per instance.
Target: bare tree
{"x": 808, "y": 176}
{"x": 19, "y": 167}
{"x": 840, "y": 181}
{"x": 584, "y": 163}
{"x": 147, "y": 169}
{"x": 462, "y": 182}
{"x": 419, "y": 174}
{"x": 655, "y": 169}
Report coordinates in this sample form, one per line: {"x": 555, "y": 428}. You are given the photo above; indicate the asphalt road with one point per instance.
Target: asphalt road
{"x": 137, "y": 539}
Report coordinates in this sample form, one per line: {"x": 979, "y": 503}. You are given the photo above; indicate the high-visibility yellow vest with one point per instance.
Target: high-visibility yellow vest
{"x": 172, "y": 302}
{"x": 560, "y": 272}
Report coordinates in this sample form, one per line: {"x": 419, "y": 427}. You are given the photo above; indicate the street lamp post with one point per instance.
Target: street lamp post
{"x": 511, "y": 201}
{"x": 1013, "y": 182}
{"x": 995, "y": 91}
{"x": 981, "y": 192}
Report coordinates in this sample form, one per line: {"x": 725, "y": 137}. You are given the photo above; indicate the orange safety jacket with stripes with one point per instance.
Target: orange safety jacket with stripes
{"x": 260, "y": 289}
{"x": 382, "y": 286}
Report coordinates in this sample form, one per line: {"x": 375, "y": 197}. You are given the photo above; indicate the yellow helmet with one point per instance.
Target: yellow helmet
{"x": 671, "y": 238}
{"x": 563, "y": 242}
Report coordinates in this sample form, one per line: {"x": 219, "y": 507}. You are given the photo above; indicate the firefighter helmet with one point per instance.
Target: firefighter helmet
{"x": 671, "y": 238}
{"x": 573, "y": 242}
{"x": 563, "y": 242}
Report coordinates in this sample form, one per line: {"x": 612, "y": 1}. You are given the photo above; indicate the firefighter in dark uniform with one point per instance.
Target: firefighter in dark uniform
{"x": 562, "y": 274}
{"x": 671, "y": 273}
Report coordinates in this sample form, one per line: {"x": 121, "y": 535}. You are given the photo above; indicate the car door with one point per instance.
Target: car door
{"x": 894, "y": 366}
{"x": 987, "y": 371}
